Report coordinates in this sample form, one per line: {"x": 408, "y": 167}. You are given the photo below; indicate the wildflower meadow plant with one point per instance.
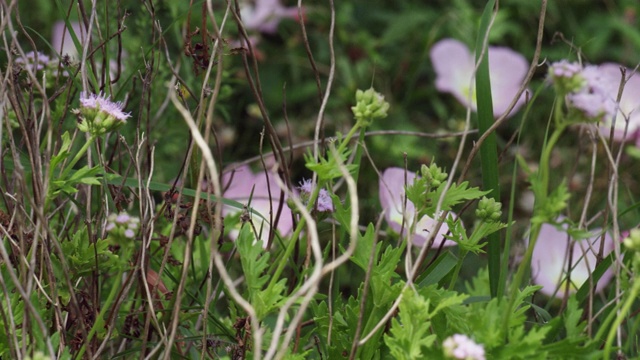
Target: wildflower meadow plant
{"x": 407, "y": 250}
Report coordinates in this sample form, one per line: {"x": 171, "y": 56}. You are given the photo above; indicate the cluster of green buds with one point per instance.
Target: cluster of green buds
{"x": 98, "y": 115}
{"x": 489, "y": 210}
{"x": 434, "y": 175}
{"x": 632, "y": 242}
{"x": 370, "y": 105}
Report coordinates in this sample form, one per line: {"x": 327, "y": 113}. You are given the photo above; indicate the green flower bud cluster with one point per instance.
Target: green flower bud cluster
{"x": 99, "y": 115}
{"x": 38, "y": 355}
{"x": 434, "y": 175}
{"x": 632, "y": 242}
{"x": 370, "y": 105}
{"x": 489, "y": 210}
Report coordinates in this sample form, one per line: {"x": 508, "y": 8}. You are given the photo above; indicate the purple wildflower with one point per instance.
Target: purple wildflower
{"x": 306, "y": 186}
{"x": 102, "y": 103}
{"x": 122, "y": 225}
{"x": 33, "y": 61}
{"x": 99, "y": 115}
{"x": 324, "y": 203}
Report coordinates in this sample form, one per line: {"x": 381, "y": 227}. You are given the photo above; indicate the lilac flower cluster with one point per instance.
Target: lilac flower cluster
{"x": 324, "y": 203}
{"x": 123, "y": 224}
{"x": 591, "y": 93}
{"x": 460, "y": 346}
{"x": 33, "y": 61}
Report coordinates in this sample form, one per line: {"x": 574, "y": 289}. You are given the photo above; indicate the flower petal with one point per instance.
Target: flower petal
{"x": 629, "y": 102}
{"x": 262, "y": 189}
{"x": 507, "y": 70}
{"x": 453, "y": 65}
{"x": 549, "y": 263}
{"x": 392, "y": 195}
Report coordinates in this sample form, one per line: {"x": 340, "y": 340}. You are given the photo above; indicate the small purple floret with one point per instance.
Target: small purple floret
{"x": 102, "y": 103}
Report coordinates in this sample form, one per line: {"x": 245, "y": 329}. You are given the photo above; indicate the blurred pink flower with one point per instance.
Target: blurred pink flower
{"x": 265, "y": 15}
{"x": 549, "y": 263}
{"x": 608, "y": 77}
{"x": 392, "y": 197}
{"x": 460, "y": 346}
{"x": 62, "y": 41}
{"x": 454, "y": 66}
{"x": 239, "y": 184}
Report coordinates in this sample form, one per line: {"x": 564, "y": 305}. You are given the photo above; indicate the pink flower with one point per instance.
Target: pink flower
{"x": 549, "y": 263}
{"x": 62, "y": 41}
{"x": 392, "y": 197}
{"x": 239, "y": 184}
{"x": 608, "y": 76}
{"x": 265, "y": 15}
{"x": 454, "y": 66}
{"x": 460, "y": 346}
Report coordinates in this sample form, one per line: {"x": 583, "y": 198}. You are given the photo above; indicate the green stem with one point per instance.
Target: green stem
{"x": 100, "y": 319}
{"x": 296, "y": 234}
{"x": 67, "y": 169}
{"x": 78, "y": 156}
{"x": 312, "y": 200}
{"x": 347, "y": 138}
{"x": 541, "y": 198}
{"x": 456, "y": 271}
{"x": 635, "y": 290}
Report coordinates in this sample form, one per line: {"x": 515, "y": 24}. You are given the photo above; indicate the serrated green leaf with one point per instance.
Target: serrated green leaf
{"x": 455, "y": 195}
{"x": 409, "y": 334}
{"x": 572, "y": 316}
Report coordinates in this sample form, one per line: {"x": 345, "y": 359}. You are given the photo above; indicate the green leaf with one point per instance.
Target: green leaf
{"x": 440, "y": 268}
{"x": 409, "y": 334}
{"x": 255, "y": 261}
{"x": 489, "y": 148}
{"x": 383, "y": 288}
{"x": 454, "y": 196}
{"x": 572, "y": 316}
{"x": 63, "y": 153}
{"x": 364, "y": 246}
{"x": 329, "y": 169}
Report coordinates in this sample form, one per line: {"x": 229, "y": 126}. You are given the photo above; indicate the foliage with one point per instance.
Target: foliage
{"x": 135, "y": 222}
